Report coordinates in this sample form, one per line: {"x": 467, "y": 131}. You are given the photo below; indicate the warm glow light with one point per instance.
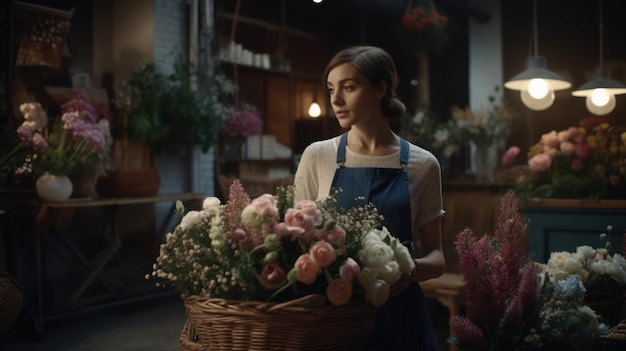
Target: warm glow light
{"x": 315, "y": 110}
{"x": 600, "y": 110}
{"x": 538, "y": 88}
{"x": 600, "y": 97}
{"x": 537, "y": 104}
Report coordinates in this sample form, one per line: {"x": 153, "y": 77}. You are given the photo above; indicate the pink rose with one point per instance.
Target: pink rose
{"x": 335, "y": 236}
{"x": 550, "y": 139}
{"x": 539, "y": 162}
{"x": 238, "y": 235}
{"x": 309, "y": 208}
{"x": 550, "y": 151}
{"x": 306, "y": 238}
{"x": 307, "y": 269}
{"x": 323, "y": 254}
{"x": 339, "y": 291}
{"x": 273, "y": 273}
{"x": 510, "y": 155}
{"x": 300, "y": 219}
{"x": 584, "y": 151}
{"x": 568, "y": 148}
{"x": 349, "y": 269}
{"x": 568, "y": 134}
{"x": 264, "y": 206}
{"x": 282, "y": 229}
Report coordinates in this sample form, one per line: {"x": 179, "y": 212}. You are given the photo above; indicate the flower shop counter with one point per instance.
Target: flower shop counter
{"x": 86, "y": 253}
{"x": 564, "y": 224}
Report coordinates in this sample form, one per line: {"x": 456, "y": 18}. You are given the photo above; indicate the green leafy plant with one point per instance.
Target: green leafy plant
{"x": 173, "y": 111}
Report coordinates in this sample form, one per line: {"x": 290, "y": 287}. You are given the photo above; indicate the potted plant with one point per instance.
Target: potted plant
{"x": 159, "y": 112}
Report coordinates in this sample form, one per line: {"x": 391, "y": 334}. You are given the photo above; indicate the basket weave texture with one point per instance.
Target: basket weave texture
{"x": 10, "y": 301}
{"x": 307, "y": 323}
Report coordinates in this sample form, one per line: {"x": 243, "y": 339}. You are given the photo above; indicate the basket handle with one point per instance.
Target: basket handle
{"x": 312, "y": 300}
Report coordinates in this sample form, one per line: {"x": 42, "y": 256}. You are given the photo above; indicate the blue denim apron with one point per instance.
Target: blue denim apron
{"x": 403, "y": 322}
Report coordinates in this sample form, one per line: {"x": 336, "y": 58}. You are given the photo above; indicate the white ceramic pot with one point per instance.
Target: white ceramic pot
{"x": 54, "y": 187}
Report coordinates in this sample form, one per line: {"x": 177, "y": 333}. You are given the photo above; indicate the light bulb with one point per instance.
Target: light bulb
{"x": 600, "y": 97}
{"x": 600, "y": 110}
{"x": 538, "y": 88}
{"x": 317, "y": 1}
{"x": 537, "y": 104}
{"x": 315, "y": 110}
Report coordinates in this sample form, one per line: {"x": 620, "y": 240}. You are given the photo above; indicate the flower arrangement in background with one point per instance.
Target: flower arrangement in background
{"x": 242, "y": 122}
{"x": 485, "y": 128}
{"x": 424, "y": 130}
{"x": 587, "y": 161}
{"x": 515, "y": 306}
{"x": 76, "y": 144}
{"x": 269, "y": 249}
{"x": 600, "y": 271}
{"x": 422, "y": 28}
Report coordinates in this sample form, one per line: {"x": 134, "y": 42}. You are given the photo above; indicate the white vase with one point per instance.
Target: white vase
{"x": 485, "y": 161}
{"x": 54, "y": 187}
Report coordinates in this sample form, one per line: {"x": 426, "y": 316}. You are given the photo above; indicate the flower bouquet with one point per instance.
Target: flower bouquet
{"x": 311, "y": 271}
{"x": 587, "y": 161}
{"x": 602, "y": 274}
{"x": 515, "y": 305}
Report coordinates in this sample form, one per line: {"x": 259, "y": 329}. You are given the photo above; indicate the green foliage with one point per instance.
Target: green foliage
{"x": 173, "y": 111}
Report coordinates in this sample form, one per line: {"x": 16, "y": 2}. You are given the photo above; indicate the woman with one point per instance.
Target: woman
{"x": 401, "y": 179}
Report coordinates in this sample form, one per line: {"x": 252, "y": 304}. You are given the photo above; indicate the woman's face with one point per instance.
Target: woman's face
{"x": 353, "y": 98}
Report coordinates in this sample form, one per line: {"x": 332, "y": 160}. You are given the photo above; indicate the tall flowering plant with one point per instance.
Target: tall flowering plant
{"x": 270, "y": 249}
{"x": 75, "y": 144}
{"x": 587, "y": 161}
{"x": 514, "y": 305}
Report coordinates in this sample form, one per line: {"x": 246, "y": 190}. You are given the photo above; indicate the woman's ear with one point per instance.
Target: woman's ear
{"x": 381, "y": 89}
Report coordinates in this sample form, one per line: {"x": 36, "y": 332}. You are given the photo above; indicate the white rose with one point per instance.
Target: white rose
{"x": 211, "y": 201}
{"x": 191, "y": 219}
{"x": 389, "y": 272}
{"x": 375, "y": 253}
{"x": 403, "y": 256}
{"x": 377, "y": 293}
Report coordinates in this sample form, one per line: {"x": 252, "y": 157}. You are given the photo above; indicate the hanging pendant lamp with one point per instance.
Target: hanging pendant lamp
{"x": 537, "y": 84}
{"x": 600, "y": 92}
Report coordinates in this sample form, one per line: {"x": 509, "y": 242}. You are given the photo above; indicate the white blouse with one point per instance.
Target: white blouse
{"x": 316, "y": 170}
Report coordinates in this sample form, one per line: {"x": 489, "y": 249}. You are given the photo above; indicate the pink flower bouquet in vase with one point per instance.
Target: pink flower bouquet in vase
{"x": 279, "y": 265}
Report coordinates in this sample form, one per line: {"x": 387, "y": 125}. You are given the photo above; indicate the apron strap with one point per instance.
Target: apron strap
{"x": 341, "y": 151}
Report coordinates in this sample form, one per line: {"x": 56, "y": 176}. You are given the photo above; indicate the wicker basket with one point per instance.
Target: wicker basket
{"x": 10, "y": 301}
{"x": 307, "y": 323}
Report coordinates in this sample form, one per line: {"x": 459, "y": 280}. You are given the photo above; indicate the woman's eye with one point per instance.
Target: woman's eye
{"x": 348, "y": 87}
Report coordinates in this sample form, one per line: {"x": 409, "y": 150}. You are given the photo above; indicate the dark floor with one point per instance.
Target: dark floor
{"x": 152, "y": 325}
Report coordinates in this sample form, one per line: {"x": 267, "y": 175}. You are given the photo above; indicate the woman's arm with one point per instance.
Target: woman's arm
{"x": 432, "y": 264}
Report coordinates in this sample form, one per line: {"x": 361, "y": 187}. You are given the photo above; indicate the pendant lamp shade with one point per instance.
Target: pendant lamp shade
{"x": 537, "y": 84}
{"x": 600, "y": 92}
{"x": 536, "y": 69}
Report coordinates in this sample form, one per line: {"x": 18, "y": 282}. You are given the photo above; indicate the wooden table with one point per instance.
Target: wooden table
{"x": 51, "y": 224}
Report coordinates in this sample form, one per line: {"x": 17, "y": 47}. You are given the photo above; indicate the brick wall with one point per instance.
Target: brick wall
{"x": 193, "y": 172}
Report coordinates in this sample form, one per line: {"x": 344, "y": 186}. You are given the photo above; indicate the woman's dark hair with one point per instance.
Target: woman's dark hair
{"x": 378, "y": 66}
